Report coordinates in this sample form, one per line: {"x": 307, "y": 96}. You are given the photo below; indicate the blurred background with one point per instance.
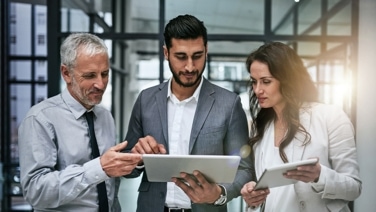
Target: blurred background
{"x": 335, "y": 38}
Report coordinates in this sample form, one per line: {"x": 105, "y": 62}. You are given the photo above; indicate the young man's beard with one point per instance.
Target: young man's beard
{"x": 189, "y": 84}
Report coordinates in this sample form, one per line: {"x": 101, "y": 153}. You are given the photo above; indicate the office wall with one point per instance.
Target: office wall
{"x": 366, "y": 105}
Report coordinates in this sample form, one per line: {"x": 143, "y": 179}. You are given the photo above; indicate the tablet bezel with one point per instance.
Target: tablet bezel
{"x": 216, "y": 168}
{"x": 273, "y": 176}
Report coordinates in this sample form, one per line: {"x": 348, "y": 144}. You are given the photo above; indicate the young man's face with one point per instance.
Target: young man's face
{"x": 88, "y": 81}
{"x": 187, "y": 60}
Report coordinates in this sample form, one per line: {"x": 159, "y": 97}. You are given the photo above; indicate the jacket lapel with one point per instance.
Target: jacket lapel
{"x": 305, "y": 120}
{"x": 205, "y": 103}
{"x": 161, "y": 99}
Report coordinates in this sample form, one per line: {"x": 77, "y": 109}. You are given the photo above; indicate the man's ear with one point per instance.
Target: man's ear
{"x": 165, "y": 52}
{"x": 65, "y": 73}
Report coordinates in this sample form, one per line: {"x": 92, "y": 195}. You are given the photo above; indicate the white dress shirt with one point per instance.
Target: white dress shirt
{"x": 180, "y": 119}
{"x": 271, "y": 157}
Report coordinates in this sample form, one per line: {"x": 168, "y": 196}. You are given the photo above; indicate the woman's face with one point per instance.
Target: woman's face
{"x": 266, "y": 87}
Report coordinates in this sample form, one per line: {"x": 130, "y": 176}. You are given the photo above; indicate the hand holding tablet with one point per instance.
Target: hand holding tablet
{"x": 273, "y": 177}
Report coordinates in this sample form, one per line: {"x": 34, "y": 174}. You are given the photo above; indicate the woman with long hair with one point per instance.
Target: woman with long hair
{"x": 288, "y": 125}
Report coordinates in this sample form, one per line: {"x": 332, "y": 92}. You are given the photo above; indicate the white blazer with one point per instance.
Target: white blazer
{"x": 332, "y": 141}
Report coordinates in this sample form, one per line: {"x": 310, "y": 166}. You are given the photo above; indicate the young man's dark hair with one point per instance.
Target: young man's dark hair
{"x": 184, "y": 27}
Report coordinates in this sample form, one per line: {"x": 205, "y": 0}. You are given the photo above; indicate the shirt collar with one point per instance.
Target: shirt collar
{"x": 195, "y": 95}
{"x": 77, "y": 108}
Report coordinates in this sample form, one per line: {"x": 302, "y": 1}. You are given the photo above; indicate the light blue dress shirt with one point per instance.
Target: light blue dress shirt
{"x": 57, "y": 171}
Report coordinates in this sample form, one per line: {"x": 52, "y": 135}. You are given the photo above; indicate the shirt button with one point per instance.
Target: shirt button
{"x": 302, "y": 205}
{"x": 96, "y": 177}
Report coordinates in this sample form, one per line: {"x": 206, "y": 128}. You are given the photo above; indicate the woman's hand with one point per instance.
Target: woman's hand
{"x": 253, "y": 198}
{"x": 308, "y": 173}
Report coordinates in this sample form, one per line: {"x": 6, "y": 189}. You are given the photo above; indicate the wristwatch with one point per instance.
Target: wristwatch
{"x": 222, "y": 198}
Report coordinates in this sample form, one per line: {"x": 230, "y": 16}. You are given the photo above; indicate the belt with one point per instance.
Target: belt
{"x": 167, "y": 209}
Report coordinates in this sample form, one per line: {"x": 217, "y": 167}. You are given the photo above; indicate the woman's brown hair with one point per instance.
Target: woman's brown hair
{"x": 296, "y": 87}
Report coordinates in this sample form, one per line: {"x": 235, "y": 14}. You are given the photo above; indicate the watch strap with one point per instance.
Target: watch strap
{"x": 223, "y": 197}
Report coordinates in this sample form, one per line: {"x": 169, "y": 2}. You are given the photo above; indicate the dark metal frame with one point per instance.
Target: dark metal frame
{"x": 4, "y": 116}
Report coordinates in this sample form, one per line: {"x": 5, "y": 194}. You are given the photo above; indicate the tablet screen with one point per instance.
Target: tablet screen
{"x": 216, "y": 168}
{"x": 273, "y": 177}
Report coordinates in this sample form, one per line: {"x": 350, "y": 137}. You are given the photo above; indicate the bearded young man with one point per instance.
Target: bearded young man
{"x": 188, "y": 115}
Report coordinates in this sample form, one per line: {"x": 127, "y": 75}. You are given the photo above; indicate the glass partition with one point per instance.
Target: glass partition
{"x": 308, "y": 15}
{"x": 222, "y": 17}
{"x": 340, "y": 22}
{"x": 282, "y": 18}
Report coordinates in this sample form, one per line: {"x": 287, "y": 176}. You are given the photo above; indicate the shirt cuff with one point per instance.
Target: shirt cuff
{"x": 140, "y": 167}
{"x": 94, "y": 173}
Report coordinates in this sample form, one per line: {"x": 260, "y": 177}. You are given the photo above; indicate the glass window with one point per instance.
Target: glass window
{"x": 222, "y": 17}
{"x": 41, "y": 70}
{"x": 143, "y": 16}
{"x": 20, "y": 29}
{"x": 305, "y": 49}
{"x": 77, "y": 16}
{"x": 20, "y": 103}
{"x": 340, "y": 23}
{"x": 308, "y": 14}
{"x": 232, "y": 47}
{"x": 74, "y": 20}
{"x": 282, "y": 18}
{"x": 40, "y": 92}
{"x": 20, "y": 70}
{"x": 148, "y": 69}
{"x": 40, "y": 36}
{"x": 332, "y": 80}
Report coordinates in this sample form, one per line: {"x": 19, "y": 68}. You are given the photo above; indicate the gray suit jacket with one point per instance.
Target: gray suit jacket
{"x": 219, "y": 128}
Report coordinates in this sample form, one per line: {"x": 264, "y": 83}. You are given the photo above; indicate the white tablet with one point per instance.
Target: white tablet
{"x": 216, "y": 168}
{"x": 273, "y": 177}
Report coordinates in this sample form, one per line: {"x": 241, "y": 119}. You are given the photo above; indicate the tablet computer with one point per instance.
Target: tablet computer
{"x": 273, "y": 176}
{"x": 216, "y": 168}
